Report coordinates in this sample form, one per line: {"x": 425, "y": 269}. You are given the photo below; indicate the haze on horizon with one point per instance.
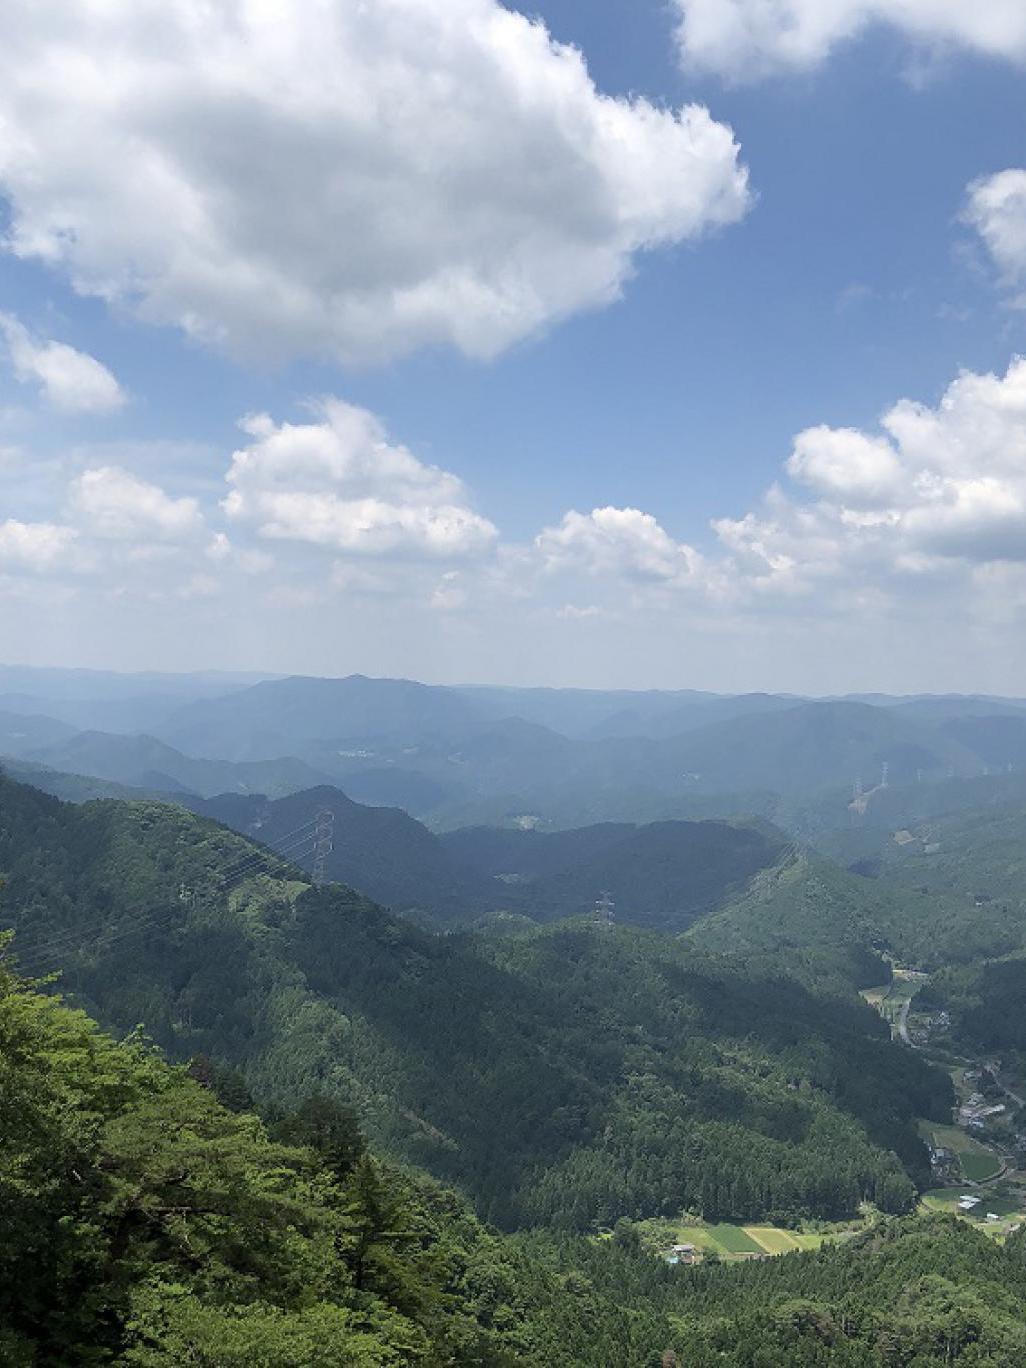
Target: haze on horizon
{"x": 615, "y": 376}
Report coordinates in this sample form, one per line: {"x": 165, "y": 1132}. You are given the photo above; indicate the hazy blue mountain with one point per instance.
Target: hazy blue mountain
{"x": 146, "y": 763}
{"x": 697, "y": 713}
{"x": 816, "y": 745}
{"x": 77, "y": 684}
{"x": 582, "y": 712}
{"x": 1000, "y": 741}
{"x": 520, "y": 856}
{"x": 449, "y": 757}
{"x": 276, "y": 716}
{"x": 22, "y": 733}
{"x": 123, "y": 715}
{"x": 104, "y": 700}
{"x": 72, "y": 788}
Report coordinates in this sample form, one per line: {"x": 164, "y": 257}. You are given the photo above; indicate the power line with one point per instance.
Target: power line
{"x": 52, "y": 949}
{"x": 325, "y": 836}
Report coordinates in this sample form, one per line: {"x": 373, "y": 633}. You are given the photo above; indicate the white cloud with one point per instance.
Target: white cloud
{"x": 340, "y": 483}
{"x": 110, "y": 503}
{"x": 939, "y": 493}
{"x": 996, "y": 208}
{"x": 449, "y": 594}
{"x": 346, "y": 179}
{"x": 744, "y": 39}
{"x": 70, "y": 379}
{"x": 617, "y": 541}
{"x": 221, "y": 550}
{"x": 572, "y": 612}
{"x": 926, "y": 506}
{"x": 844, "y": 463}
{"x": 35, "y": 547}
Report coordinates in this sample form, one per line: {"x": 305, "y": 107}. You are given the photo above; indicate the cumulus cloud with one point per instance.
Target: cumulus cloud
{"x": 343, "y": 179}
{"x": 933, "y": 501}
{"x": 339, "y": 482}
{"x": 70, "y": 379}
{"x": 111, "y": 503}
{"x": 618, "y": 541}
{"x": 996, "y": 208}
{"x": 35, "y": 547}
{"x": 743, "y": 39}
{"x": 846, "y": 464}
{"x": 938, "y": 492}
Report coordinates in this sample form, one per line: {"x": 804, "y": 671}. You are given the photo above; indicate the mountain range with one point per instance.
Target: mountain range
{"x": 461, "y": 757}
{"x": 521, "y": 1065}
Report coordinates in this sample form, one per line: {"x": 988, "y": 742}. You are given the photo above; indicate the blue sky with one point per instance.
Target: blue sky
{"x": 853, "y": 279}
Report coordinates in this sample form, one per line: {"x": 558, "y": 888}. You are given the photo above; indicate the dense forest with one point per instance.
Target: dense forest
{"x": 985, "y": 1002}
{"x": 143, "y": 1222}
{"x": 566, "y": 1075}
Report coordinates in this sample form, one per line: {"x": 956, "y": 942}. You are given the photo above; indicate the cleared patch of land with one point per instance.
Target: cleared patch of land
{"x": 1005, "y": 1202}
{"x": 774, "y": 1240}
{"x": 979, "y": 1164}
{"x": 734, "y": 1242}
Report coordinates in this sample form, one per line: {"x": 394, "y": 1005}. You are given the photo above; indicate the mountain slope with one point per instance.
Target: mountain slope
{"x": 381, "y": 851}
{"x": 661, "y": 875}
{"x": 143, "y": 1223}
{"x": 571, "y": 1075}
{"x": 664, "y": 874}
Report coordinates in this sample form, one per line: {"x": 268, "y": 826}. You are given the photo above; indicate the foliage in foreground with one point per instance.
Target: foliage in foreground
{"x": 141, "y": 1222}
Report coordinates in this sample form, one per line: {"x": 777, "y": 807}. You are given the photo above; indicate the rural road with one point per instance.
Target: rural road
{"x": 903, "y": 1021}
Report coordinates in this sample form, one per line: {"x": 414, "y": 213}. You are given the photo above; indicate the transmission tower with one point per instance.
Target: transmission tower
{"x": 324, "y": 842}
{"x": 604, "y": 907}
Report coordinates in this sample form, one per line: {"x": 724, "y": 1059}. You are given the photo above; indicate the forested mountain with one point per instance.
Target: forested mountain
{"x": 985, "y": 1001}
{"x": 663, "y": 874}
{"x": 143, "y": 1223}
{"x": 909, "y": 1293}
{"x": 569, "y": 1075}
{"x": 808, "y": 905}
{"x": 381, "y": 851}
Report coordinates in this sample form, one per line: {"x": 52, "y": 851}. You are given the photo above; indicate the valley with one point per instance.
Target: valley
{"x": 657, "y": 1047}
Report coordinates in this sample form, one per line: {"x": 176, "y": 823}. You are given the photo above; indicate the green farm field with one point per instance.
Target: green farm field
{"x": 735, "y": 1240}
{"x": 978, "y": 1162}
{"x": 731, "y": 1242}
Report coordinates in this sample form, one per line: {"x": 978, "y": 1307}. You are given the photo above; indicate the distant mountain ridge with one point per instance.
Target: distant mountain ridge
{"x": 556, "y": 758}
